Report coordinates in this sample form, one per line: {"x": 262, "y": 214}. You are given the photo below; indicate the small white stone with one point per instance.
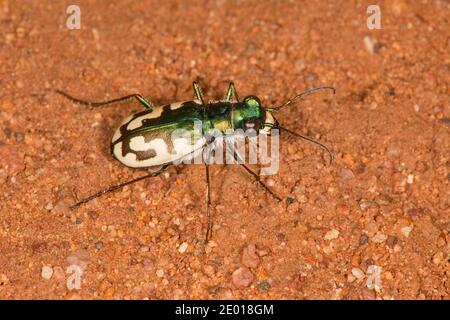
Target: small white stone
{"x": 410, "y": 179}
{"x": 49, "y": 206}
{"x": 332, "y": 234}
{"x": 358, "y": 273}
{"x": 270, "y": 182}
{"x": 47, "y": 272}
{"x": 160, "y": 273}
{"x": 370, "y": 44}
{"x": 183, "y": 247}
{"x": 379, "y": 237}
{"x": 406, "y": 231}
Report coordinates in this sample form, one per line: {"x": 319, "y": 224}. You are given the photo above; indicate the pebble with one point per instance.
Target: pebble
{"x": 302, "y": 198}
{"x": 183, "y": 247}
{"x": 347, "y": 174}
{"x": 410, "y": 179}
{"x": 250, "y": 258}
{"x": 379, "y": 237}
{"x": 264, "y": 285}
{"x": 391, "y": 241}
{"x": 99, "y": 245}
{"x": 383, "y": 200}
{"x": 406, "y": 231}
{"x": 438, "y": 257}
{"x": 242, "y": 277}
{"x": 364, "y": 204}
{"x": 332, "y": 234}
{"x": 270, "y": 182}
{"x": 371, "y": 45}
{"x": 160, "y": 273}
{"x": 364, "y": 239}
{"x": 398, "y": 183}
{"x": 371, "y": 228}
{"x": 290, "y": 200}
{"x": 49, "y": 206}
{"x": 358, "y": 273}
{"x": 47, "y": 272}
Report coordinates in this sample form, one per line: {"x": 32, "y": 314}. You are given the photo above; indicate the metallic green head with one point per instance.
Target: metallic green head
{"x": 250, "y": 114}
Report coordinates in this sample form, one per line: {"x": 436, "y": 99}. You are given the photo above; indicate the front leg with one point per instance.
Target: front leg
{"x": 208, "y": 203}
{"x": 231, "y": 92}
{"x": 198, "y": 92}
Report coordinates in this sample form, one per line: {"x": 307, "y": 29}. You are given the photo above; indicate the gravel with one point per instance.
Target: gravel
{"x": 358, "y": 273}
{"x": 242, "y": 278}
{"x": 183, "y": 247}
{"x": 47, "y": 272}
{"x": 250, "y": 258}
{"x": 331, "y": 235}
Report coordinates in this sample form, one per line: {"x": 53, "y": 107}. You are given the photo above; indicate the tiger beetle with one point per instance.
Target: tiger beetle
{"x": 143, "y": 139}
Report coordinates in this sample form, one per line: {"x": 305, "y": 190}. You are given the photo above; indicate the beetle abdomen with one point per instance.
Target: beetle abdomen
{"x": 159, "y": 136}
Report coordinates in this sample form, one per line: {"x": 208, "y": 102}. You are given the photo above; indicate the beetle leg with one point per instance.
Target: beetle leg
{"x": 231, "y": 92}
{"x": 255, "y": 175}
{"x": 118, "y": 186}
{"x": 147, "y": 104}
{"x": 208, "y": 204}
{"x": 198, "y": 92}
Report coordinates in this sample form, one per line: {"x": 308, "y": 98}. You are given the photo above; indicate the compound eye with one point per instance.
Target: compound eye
{"x": 252, "y": 102}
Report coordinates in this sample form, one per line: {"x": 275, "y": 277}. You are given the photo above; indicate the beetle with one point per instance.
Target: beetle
{"x": 144, "y": 139}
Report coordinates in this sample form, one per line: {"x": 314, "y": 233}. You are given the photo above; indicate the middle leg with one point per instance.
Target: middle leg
{"x": 208, "y": 204}
{"x": 231, "y": 92}
{"x": 198, "y": 92}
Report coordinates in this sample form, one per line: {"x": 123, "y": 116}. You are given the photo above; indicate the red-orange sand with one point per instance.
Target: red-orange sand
{"x": 381, "y": 209}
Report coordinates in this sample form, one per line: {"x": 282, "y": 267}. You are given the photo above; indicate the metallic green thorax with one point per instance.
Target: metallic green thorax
{"x": 234, "y": 115}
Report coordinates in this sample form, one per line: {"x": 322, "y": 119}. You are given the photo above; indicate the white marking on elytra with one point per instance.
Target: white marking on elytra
{"x": 181, "y": 146}
{"x": 137, "y": 123}
{"x": 176, "y": 105}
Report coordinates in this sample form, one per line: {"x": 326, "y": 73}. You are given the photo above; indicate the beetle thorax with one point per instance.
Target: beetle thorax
{"x": 244, "y": 117}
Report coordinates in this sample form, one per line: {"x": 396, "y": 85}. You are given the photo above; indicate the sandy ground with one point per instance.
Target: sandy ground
{"x": 381, "y": 208}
